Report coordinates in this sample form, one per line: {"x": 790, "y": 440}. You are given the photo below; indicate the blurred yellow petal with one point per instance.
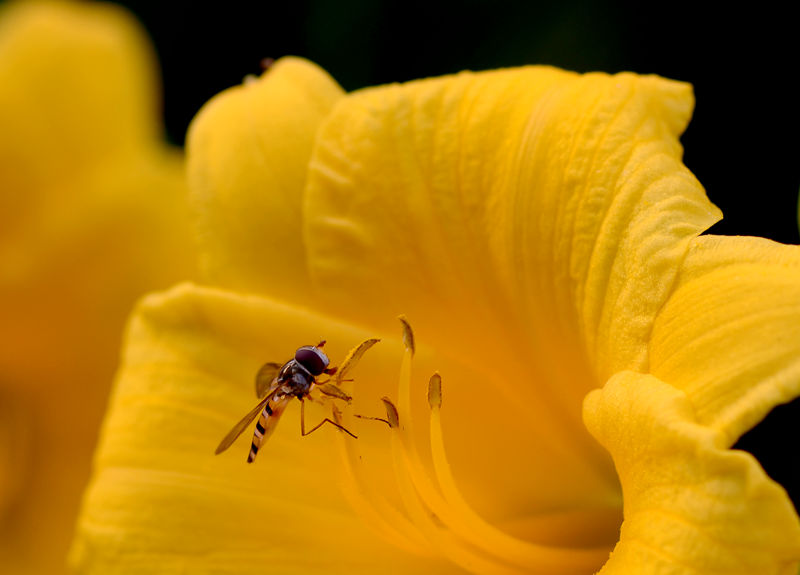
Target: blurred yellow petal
{"x": 81, "y": 93}
{"x": 248, "y": 158}
{"x": 160, "y": 497}
{"x": 729, "y": 337}
{"x": 91, "y": 216}
{"x": 691, "y": 505}
{"x": 70, "y": 276}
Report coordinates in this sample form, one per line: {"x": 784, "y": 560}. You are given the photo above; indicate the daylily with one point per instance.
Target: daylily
{"x": 92, "y": 217}
{"x": 541, "y": 235}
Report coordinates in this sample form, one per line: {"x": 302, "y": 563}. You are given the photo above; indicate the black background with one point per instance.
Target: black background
{"x": 742, "y": 143}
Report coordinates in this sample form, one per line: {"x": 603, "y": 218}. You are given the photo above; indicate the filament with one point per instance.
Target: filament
{"x": 373, "y": 507}
{"x": 546, "y": 558}
{"x": 436, "y": 518}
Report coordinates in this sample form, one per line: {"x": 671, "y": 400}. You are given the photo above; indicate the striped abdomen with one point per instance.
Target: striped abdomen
{"x": 266, "y": 424}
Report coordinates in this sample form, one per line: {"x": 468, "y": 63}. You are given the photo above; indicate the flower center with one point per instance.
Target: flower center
{"x": 432, "y": 517}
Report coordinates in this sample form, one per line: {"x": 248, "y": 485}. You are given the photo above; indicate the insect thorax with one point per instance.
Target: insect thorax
{"x": 296, "y": 379}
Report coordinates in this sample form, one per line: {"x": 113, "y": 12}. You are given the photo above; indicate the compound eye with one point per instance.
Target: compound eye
{"x": 312, "y": 358}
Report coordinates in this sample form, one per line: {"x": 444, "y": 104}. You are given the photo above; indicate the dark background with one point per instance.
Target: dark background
{"x": 742, "y": 143}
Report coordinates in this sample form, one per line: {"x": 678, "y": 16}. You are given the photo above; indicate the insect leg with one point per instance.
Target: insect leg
{"x": 386, "y": 421}
{"x": 303, "y": 431}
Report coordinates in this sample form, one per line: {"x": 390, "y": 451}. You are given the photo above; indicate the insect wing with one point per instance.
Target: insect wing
{"x": 265, "y": 378}
{"x": 241, "y": 426}
{"x": 352, "y": 358}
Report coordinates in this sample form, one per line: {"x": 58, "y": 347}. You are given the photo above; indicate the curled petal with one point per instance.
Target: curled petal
{"x": 690, "y": 504}
{"x": 729, "y": 336}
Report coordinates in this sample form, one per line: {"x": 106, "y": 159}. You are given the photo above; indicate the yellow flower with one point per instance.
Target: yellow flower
{"x": 91, "y": 217}
{"x": 540, "y": 232}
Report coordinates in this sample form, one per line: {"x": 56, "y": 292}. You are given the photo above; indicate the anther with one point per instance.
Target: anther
{"x": 391, "y": 413}
{"x": 435, "y": 391}
{"x": 408, "y": 334}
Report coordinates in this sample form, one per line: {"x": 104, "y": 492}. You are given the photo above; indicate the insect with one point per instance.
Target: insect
{"x": 277, "y": 384}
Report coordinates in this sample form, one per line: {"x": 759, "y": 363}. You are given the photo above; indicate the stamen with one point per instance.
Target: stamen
{"x": 420, "y": 497}
{"x": 435, "y": 391}
{"x": 372, "y": 506}
{"x": 391, "y": 413}
{"x": 445, "y": 541}
{"x": 427, "y": 491}
{"x": 408, "y": 334}
{"x": 476, "y": 530}
{"x": 437, "y": 519}
{"x": 468, "y": 532}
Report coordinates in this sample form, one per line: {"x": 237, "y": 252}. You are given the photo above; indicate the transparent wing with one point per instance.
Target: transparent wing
{"x": 242, "y": 425}
{"x": 265, "y": 378}
{"x": 352, "y": 358}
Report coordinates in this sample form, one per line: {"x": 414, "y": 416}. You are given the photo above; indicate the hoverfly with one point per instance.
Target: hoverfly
{"x": 276, "y": 385}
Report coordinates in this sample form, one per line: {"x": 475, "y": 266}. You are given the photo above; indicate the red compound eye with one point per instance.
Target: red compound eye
{"x": 312, "y": 358}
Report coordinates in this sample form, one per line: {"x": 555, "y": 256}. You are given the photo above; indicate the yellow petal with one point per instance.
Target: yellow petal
{"x": 547, "y": 204}
{"x": 75, "y": 270}
{"x": 83, "y": 91}
{"x": 691, "y": 505}
{"x": 91, "y": 216}
{"x": 161, "y": 498}
{"x": 248, "y": 156}
{"x": 508, "y": 214}
{"x": 95, "y": 199}
{"x": 530, "y": 223}
{"x": 729, "y": 336}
